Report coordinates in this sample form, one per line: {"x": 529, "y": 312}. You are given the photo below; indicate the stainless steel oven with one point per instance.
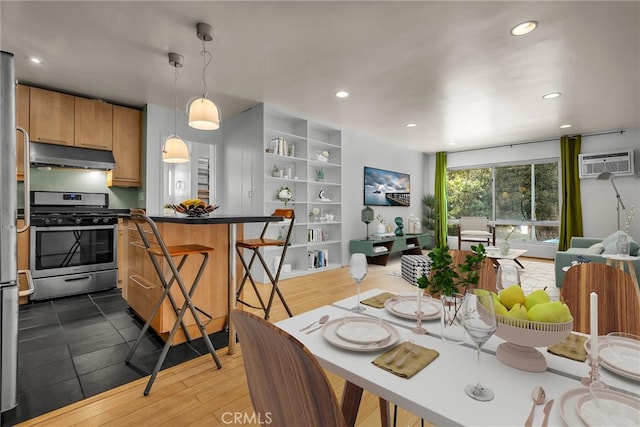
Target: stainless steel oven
{"x": 73, "y": 246}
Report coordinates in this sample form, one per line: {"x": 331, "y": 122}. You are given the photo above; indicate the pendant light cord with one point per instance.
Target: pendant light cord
{"x": 175, "y": 103}
{"x": 206, "y": 60}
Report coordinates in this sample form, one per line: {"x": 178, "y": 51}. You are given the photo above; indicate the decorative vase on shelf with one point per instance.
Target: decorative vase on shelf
{"x": 381, "y": 228}
{"x": 505, "y": 247}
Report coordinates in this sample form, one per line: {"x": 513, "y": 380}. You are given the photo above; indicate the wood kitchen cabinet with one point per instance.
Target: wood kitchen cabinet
{"x": 22, "y": 120}
{"x": 51, "y": 117}
{"x": 127, "y": 148}
{"x": 93, "y": 124}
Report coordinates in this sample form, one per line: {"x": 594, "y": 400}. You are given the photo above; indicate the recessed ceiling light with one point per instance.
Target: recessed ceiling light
{"x": 551, "y": 95}
{"x": 411, "y": 125}
{"x": 35, "y": 60}
{"x": 565, "y": 126}
{"x": 342, "y": 94}
{"x": 524, "y": 28}
{"x": 452, "y": 143}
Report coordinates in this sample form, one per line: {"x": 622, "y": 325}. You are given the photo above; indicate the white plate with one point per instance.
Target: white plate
{"x": 568, "y": 410}
{"x": 624, "y": 355}
{"x": 362, "y": 330}
{"x": 406, "y": 306}
{"x": 605, "y": 361}
{"x": 329, "y": 333}
{"x": 615, "y": 403}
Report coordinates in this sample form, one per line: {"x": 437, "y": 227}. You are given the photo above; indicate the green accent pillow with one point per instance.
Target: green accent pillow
{"x": 609, "y": 244}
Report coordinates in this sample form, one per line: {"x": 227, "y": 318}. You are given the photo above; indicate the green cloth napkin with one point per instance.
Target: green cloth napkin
{"x": 378, "y": 301}
{"x": 411, "y": 364}
{"x": 571, "y": 348}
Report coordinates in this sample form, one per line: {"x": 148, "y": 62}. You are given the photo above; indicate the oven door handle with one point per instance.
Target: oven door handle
{"x": 73, "y": 279}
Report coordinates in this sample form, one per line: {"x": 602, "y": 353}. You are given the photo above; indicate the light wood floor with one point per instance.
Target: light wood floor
{"x": 195, "y": 393}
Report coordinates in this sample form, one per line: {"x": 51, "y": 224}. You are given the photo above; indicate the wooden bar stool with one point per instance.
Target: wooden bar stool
{"x": 254, "y": 245}
{"x": 157, "y": 251}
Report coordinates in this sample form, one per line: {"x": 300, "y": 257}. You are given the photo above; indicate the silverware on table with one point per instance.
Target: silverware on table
{"x": 397, "y": 352}
{"x": 538, "y": 396}
{"x": 410, "y": 350}
{"x": 320, "y": 321}
{"x": 547, "y": 412}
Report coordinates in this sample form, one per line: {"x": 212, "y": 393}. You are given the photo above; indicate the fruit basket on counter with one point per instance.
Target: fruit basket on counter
{"x": 194, "y": 208}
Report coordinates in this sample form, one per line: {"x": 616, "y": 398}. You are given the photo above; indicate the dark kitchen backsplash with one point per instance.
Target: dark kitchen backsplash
{"x": 81, "y": 181}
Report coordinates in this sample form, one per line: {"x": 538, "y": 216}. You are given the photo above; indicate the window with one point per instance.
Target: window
{"x": 522, "y": 199}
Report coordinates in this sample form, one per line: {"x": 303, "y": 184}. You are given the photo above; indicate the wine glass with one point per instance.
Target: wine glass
{"x": 507, "y": 275}
{"x": 358, "y": 269}
{"x": 479, "y": 320}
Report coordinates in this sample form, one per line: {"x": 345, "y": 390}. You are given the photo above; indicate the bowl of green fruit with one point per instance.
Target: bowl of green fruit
{"x": 527, "y": 322}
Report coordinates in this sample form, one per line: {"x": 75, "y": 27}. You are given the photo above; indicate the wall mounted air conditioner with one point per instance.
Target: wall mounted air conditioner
{"x": 619, "y": 163}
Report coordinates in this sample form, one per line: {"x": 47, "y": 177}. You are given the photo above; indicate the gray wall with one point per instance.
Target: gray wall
{"x": 359, "y": 151}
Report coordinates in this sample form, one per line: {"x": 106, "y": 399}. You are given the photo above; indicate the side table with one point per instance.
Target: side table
{"x": 620, "y": 261}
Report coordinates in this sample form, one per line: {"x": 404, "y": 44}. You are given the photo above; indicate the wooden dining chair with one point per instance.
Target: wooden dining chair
{"x": 286, "y": 382}
{"x": 618, "y": 298}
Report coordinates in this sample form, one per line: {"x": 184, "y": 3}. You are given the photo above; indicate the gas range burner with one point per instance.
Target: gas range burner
{"x": 50, "y": 208}
{"x": 78, "y": 219}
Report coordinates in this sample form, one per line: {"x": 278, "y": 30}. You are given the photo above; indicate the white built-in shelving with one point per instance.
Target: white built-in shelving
{"x": 286, "y": 151}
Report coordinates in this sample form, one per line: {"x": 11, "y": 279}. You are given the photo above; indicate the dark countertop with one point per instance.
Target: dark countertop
{"x": 216, "y": 219}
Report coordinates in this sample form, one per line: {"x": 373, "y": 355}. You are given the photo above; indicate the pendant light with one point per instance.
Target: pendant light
{"x": 203, "y": 113}
{"x": 175, "y": 149}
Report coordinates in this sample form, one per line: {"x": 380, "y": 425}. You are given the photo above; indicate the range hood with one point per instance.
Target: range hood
{"x": 71, "y": 157}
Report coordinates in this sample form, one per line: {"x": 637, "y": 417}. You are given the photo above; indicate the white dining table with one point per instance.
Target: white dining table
{"x": 436, "y": 393}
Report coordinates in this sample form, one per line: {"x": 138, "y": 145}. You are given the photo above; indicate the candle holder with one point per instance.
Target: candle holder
{"x": 594, "y": 374}
{"x": 418, "y": 329}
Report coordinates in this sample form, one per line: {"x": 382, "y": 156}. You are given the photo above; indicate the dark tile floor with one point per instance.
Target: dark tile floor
{"x": 73, "y": 348}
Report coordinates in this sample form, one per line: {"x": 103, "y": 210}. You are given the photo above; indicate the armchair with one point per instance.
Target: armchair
{"x": 475, "y": 229}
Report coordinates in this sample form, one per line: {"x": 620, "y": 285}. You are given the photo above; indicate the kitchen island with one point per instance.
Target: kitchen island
{"x": 215, "y": 293}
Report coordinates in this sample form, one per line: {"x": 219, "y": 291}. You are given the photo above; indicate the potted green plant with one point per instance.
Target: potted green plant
{"x": 319, "y": 174}
{"x": 275, "y": 172}
{"x": 429, "y": 213}
{"x": 450, "y": 284}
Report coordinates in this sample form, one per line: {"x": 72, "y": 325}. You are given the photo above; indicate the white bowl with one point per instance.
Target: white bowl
{"x": 522, "y": 336}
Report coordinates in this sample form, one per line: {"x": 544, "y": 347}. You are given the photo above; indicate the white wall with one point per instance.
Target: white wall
{"x": 599, "y": 198}
{"x": 359, "y": 151}
{"x": 159, "y": 125}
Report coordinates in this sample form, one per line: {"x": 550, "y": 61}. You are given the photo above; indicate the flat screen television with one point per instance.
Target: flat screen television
{"x": 386, "y": 188}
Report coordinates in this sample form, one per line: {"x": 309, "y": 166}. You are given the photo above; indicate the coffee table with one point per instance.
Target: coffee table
{"x": 494, "y": 254}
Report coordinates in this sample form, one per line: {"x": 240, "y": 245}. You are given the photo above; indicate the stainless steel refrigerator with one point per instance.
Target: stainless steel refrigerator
{"x": 8, "y": 237}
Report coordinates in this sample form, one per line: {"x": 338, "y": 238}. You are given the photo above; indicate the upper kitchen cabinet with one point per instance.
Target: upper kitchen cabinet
{"x": 93, "y": 124}
{"x": 127, "y": 148}
{"x": 51, "y": 117}
{"x": 22, "y": 120}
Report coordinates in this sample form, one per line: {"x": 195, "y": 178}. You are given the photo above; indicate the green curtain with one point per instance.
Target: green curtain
{"x": 440, "y": 194}
{"x": 571, "y": 210}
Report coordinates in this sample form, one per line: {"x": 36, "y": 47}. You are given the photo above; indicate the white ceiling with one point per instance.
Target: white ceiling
{"x": 451, "y": 67}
